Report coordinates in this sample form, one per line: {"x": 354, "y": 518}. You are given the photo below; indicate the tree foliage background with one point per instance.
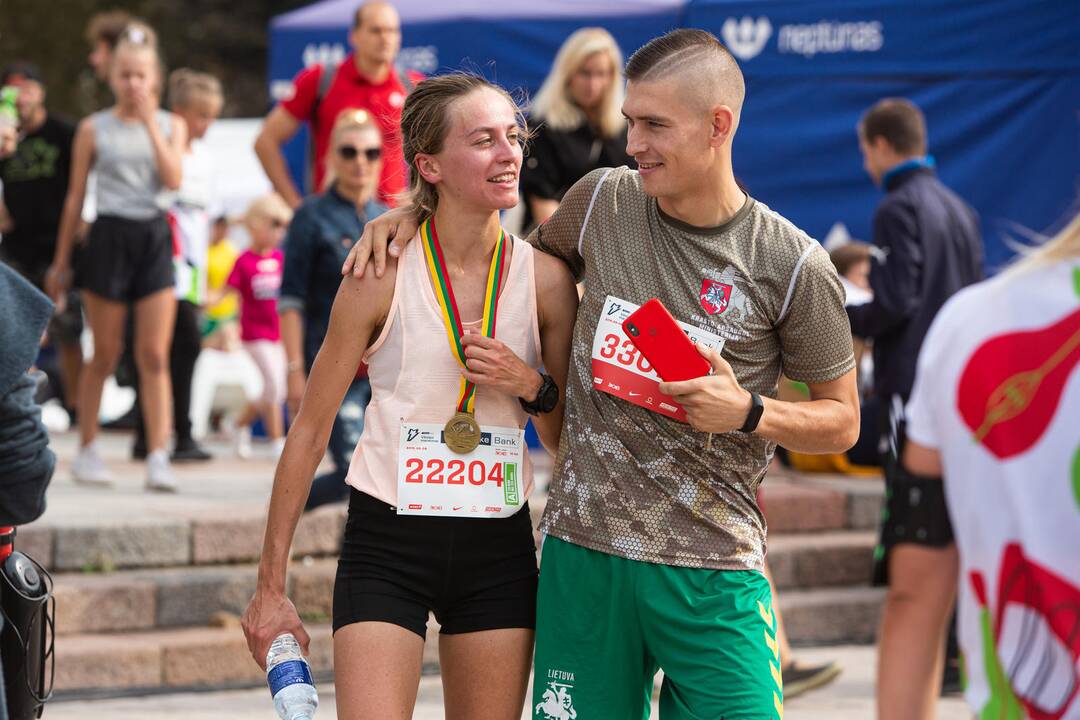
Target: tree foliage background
{"x": 225, "y": 37}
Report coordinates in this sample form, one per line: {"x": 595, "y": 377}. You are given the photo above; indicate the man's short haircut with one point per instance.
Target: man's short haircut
{"x": 697, "y": 52}
{"x": 358, "y": 16}
{"x": 846, "y": 256}
{"x": 899, "y": 121}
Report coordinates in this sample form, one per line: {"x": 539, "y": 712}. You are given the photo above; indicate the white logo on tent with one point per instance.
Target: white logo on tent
{"x": 323, "y": 54}
{"x": 746, "y": 38}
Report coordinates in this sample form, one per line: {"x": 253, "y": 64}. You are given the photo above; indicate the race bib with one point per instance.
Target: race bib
{"x": 434, "y": 480}
{"x": 619, "y": 369}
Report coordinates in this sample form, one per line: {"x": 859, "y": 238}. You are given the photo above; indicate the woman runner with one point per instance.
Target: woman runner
{"x": 454, "y": 334}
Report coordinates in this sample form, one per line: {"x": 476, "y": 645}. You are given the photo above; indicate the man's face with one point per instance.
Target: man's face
{"x": 877, "y": 157}
{"x": 99, "y": 59}
{"x": 378, "y": 38}
{"x": 668, "y": 136}
{"x": 31, "y": 97}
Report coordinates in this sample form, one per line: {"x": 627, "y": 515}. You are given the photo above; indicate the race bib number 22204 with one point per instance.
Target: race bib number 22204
{"x": 433, "y": 480}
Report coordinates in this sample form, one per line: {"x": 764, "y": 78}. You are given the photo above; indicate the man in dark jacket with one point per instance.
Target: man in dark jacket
{"x": 927, "y": 247}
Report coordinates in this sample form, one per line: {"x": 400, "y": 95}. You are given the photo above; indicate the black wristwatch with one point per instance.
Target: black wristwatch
{"x": 754, "y": 416}
{"x": 547, "y": 397}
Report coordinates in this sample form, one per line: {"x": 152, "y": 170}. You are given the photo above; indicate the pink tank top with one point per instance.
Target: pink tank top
{"x": 415, "y": 378}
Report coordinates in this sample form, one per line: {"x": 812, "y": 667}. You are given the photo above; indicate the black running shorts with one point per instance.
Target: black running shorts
{"x": 126, "y": 260}
{"x": 914, "y": 512}
{"x": 472, "y": 573}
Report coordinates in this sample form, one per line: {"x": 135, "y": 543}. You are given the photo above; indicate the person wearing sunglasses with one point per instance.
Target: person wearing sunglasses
{"x": 256, "y": 277}
{"x": 319, "y": 238}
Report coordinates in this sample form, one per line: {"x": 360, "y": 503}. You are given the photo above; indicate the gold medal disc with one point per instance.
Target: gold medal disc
{"x": 462, "y": 433}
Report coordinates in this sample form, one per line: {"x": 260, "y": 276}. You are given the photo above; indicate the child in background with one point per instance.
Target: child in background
{"x": 256, "y": 276}
{"x": 197, "y": 98}
{"x": 220, "y": 331}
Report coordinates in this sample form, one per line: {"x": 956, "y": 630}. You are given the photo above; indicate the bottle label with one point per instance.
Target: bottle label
{"x": 290, "y": 672}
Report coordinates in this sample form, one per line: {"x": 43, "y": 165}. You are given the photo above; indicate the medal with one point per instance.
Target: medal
{"x": 462, "y": 432}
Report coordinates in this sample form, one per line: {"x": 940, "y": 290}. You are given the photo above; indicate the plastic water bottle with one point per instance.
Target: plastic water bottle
{"x": 289, "y": 677}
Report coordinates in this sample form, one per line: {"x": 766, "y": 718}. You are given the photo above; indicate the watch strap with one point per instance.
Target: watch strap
{"x": 757, "y": 407}
{"x": 538, "y": 405}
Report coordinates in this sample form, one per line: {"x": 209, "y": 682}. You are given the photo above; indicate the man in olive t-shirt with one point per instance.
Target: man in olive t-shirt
{"x": 655, "y": 543}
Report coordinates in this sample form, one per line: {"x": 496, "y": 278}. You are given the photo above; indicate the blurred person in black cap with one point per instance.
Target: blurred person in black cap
{"x": 35, "y": 181}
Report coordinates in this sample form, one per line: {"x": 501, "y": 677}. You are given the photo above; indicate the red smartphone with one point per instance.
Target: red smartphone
{"x": 659, "y": 338}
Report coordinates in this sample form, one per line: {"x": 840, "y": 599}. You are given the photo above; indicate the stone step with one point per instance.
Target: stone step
{"x": 829, "y": 559}
{"x": 180, "y": 597}
{"x": 131, "y": 600}
{"x": 832, "y": 615}
{"x": 204, "y": 658}
{"x": 184, "y": 658}
{"x": 792, "y": 503}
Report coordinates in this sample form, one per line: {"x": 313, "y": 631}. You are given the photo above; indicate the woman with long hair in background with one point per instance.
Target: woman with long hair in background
{"x": 577, "y": 121}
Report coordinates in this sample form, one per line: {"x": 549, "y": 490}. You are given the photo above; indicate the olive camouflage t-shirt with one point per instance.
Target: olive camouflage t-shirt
{"x": 632, "y": 482}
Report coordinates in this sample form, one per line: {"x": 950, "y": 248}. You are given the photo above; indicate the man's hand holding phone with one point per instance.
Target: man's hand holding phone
{"x": 714, "y": 403}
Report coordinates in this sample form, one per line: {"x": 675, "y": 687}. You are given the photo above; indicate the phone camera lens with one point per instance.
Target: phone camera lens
{"x": 632, "y": 329}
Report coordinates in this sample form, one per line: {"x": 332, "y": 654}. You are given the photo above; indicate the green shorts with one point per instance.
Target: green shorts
{"x": 606, "y": 624}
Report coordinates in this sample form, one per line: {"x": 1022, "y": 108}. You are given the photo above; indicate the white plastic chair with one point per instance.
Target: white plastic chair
{"x": 222, "y": 381}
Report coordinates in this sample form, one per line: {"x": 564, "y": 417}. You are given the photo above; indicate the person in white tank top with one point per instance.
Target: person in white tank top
{"x": 455, "y": 334}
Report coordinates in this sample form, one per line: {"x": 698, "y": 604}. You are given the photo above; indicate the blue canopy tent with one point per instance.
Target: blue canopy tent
{"x": 999, "y": 82}
{"x": 511, "y": 42}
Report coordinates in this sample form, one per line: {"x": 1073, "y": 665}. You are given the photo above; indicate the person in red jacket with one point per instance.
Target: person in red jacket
{"x": 366, "y": 80}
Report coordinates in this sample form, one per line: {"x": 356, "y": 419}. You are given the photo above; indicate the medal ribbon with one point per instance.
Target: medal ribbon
{"x": 444, "y": 293}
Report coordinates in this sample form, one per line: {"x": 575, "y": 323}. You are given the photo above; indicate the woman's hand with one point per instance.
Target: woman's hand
{"x": 57, "y": 282}
{"x": 269, "y": 614}
{"x": 398, "y": 225}
{"x": 490, "y": 362}
{"x": 146, "y": 106}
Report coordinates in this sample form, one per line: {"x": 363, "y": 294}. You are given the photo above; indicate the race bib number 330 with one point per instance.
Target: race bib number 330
{"x": 434, "y": 480}
{"x": 619, "y": 369}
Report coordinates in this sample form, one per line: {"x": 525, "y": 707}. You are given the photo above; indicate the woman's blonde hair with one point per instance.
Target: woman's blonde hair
{"x": 1061, "y": 247}
{"x": 186, "y": 86}
{"x": 139, "y": 36}
{"x": 553, "y": 103}
{"x": 425, "y": 122}
{"x": 347, "y": 121}
{"x": 271, "y": 206}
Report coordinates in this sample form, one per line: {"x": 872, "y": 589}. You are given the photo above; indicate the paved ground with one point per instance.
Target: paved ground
{"x": 849, "y": 698}
{"x": 234, "y": 487}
